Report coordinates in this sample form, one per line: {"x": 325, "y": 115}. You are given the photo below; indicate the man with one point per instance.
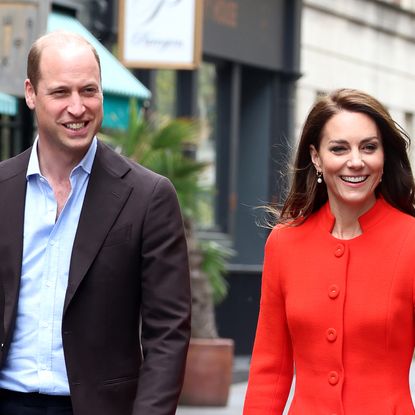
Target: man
{"x": 93, "y": 269}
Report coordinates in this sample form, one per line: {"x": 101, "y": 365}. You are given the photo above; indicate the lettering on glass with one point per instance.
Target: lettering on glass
{"x": 223, "y": 12}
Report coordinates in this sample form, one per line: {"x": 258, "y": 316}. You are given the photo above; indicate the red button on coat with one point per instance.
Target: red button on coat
{"x": 339, "y": 251}
{"x": 331, "y": 335}
{"x": 333, "y": 291}
{"x": 333, "y": 378}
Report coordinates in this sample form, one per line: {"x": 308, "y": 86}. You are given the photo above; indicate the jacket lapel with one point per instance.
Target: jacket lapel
{"x": 105, "y": 196}
{"x": 12, "y": 202}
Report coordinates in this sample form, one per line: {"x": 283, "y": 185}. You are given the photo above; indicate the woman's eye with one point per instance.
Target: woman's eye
{"x": 338, "y": 149}
{"x": 370, "y": 147}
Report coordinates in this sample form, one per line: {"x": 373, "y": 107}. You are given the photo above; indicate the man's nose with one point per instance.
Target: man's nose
{"x": 76, "y": 105}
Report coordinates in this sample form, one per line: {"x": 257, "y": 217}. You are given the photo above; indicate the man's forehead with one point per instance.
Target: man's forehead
{"x": 67, "y": 57}
{"x": 56, "y": 49}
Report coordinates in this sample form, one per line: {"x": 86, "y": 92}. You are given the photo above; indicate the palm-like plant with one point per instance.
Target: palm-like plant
{"x": 164, "y": 148}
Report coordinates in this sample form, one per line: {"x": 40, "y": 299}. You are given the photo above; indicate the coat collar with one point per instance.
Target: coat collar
{"x": 370, "y": 218}
{"x": 106, "y": 194}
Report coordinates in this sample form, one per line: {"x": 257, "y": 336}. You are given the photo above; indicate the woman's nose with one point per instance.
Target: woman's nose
{"x": 356, "y": 160}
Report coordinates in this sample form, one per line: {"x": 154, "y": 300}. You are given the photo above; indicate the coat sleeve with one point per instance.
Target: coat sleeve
{"x": 166, "y": 304}
{"x": 271, "y": 369}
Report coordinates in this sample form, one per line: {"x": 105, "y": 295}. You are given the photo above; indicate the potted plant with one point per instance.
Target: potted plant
{"x": 164, "y": 148}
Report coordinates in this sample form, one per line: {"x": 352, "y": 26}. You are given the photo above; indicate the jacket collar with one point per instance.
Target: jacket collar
{"x": 106, "y": 194}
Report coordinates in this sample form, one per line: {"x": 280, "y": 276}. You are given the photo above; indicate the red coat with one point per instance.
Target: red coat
{"x": 342, "y": 311}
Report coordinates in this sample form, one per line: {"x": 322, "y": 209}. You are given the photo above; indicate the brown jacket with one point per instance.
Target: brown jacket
{"x": 126, "y": 321}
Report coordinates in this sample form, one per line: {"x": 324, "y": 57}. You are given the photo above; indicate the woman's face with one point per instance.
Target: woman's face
{"x": 351, "y": 158}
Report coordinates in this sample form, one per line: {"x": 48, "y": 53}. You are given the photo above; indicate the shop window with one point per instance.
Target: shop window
{"x": 165, "y": 107}
{"x": 206, "y": 150}
{"x": 5, "y": 136}
{"x": 164, "y": 94}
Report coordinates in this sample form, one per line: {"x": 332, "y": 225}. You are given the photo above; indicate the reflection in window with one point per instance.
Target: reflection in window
{"x": 5, "y": 137}
{"x": 206, "y": 149}
{"x": 165, "y": 93}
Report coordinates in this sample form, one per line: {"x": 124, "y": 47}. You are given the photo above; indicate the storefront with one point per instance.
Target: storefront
{"x": 244, "y": 95}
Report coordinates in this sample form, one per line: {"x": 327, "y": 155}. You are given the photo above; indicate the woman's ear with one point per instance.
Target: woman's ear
{"x": 315, "y": 158}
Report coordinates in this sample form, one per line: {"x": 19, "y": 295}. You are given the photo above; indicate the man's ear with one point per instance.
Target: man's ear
{"x": 315, "y": 158}
{"x": 30, "y": 94}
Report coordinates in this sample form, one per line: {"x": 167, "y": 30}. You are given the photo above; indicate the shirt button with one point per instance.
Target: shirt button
{"x": 333, "y": 291}
{"x": 331, "y": 335}
{"x": 339, "y": 250}
{"x": 333, "y": 378}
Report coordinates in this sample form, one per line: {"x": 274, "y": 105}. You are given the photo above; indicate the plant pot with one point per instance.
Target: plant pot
{"x": 208, "y": 374}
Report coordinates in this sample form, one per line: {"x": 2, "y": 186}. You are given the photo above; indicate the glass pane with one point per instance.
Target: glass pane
{"x": 206, "y": 149}
{"x": 165, "y": 93}
{"x": 5, "y": 137}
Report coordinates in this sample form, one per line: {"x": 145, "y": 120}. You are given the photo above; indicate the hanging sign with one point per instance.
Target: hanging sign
{"x": 160, "y": 33}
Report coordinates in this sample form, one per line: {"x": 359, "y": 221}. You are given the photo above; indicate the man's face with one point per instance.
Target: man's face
{"x": 68, "y": 101}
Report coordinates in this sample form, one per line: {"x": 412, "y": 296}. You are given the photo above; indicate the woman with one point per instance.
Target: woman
{"x": 337, "y": 297}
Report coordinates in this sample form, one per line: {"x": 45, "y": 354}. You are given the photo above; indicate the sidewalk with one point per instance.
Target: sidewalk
{"x": 234, "y": 407}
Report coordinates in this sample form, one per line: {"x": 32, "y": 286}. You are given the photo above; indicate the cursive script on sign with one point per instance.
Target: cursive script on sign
{"x": 148, "y": 11}
{"x": 144, "y": 39}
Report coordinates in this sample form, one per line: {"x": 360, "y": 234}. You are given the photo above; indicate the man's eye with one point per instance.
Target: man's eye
{"x": 59, "y": 92}
{"x": 90, "y": 91}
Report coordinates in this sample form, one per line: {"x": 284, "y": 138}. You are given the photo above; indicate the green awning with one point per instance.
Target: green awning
{"x": 8, "y": 104}
{"x": 118, "y": 83}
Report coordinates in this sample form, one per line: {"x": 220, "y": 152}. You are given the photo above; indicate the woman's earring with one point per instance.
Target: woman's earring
{"x": 319, "y": 177}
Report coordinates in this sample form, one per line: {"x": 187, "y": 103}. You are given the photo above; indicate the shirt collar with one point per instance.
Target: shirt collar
{"x": 86, "y": 163}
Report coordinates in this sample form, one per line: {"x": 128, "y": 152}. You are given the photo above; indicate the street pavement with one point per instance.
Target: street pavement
{"x": 236, "y": 400}
{"x": 234, "y": 407}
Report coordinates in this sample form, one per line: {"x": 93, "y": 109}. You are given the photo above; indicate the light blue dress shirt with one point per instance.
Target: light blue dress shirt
{"x": 35, "y": 362}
